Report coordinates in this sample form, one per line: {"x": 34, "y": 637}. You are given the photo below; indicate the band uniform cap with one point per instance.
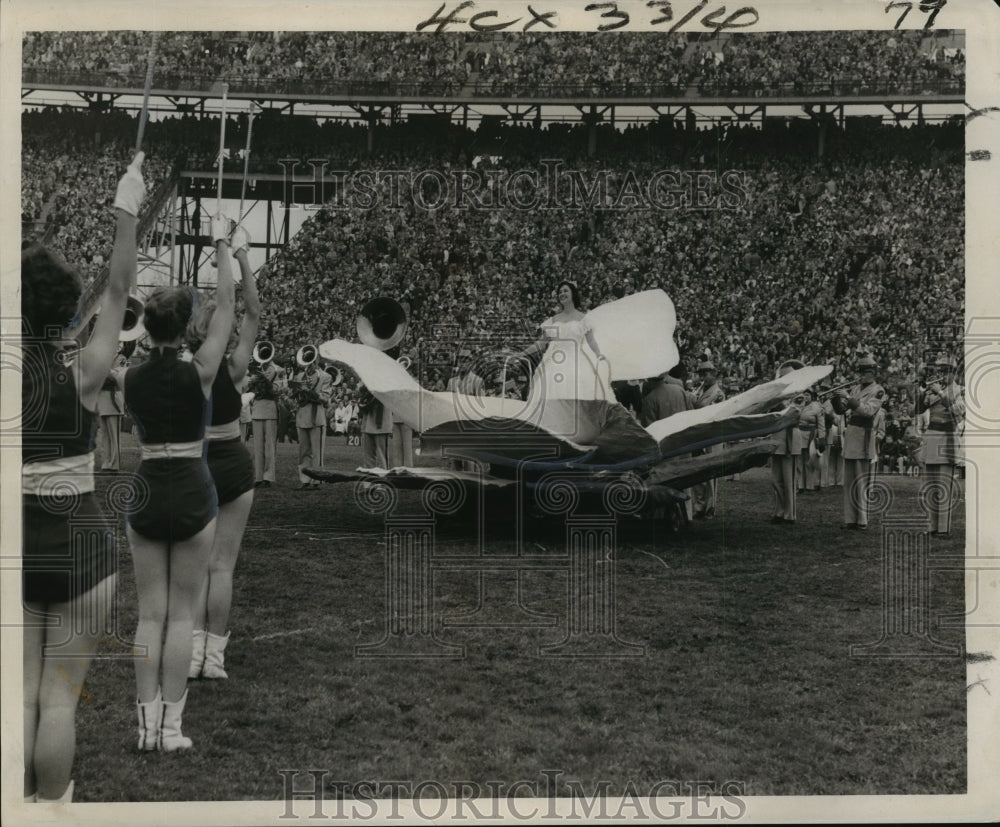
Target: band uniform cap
{"x": 866, "y": 362}
{"x": 706, "y": 365}
{"x": 944, "y": 361}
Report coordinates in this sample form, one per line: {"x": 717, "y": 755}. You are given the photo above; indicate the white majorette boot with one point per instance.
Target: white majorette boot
{"x": 197, "y": 653}
{"x": 149, "y": 722}
{"x": 171, "y": 737}
{"x": 65, "y": 798}
{"x": 215, "y": 650}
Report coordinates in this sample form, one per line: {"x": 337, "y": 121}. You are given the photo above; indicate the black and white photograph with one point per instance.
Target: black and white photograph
{"x": 416, "y": 412}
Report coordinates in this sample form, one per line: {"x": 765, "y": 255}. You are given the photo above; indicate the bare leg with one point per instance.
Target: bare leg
{"x": 188, "y": 564}
{"x": 230, "y": 525}
{"x": 34, "y": 638}
{"x": 150, "y": 559}
{"x": 71, "y": 641}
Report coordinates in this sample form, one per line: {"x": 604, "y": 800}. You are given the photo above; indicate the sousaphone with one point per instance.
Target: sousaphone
{"x": 263, "y": 352}
{"x": 307, "y": 354}
{"x": 132, "y": 325}
{"x": 381, "y": 324}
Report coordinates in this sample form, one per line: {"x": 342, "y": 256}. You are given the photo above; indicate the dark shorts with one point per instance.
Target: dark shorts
{"x": 68, "y": 547}
{"x": 174, "y": 499}
{"x": 231, "y": 467}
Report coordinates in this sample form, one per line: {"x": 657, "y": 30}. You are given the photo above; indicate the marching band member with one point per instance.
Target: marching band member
{"x": 65, "y": 606}
{"x": 267, "y": 383}
{"x": 710, "y": 393}
{"x": 376, "y": 426}
{"x": 311, "y": 389}
{"x": 832, "y": 460}
{"x": 171, "y": 525}
{"x": 784, "y": 461}
{"x": 859, "y": 407}
{"x": 231, "y": 467}
{"x": 812, "y": 424}
{"x": 944, "y": 403}
{"x": 110, "y": 412}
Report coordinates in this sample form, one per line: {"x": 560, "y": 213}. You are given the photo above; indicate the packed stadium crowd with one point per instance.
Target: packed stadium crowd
{"x": 563, "y": 63}
{"x": 846, "y": 63}
{"x": 813, "y": 259}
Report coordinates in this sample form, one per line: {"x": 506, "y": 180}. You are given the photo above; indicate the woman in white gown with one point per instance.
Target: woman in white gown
{"x": 571, "y": 366}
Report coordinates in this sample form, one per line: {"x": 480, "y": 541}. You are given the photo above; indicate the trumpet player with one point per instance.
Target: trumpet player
{"x": 944, "y": 402}
{"x": 311, "y": 388}
{"x": 859, "y": 407}
{"x": 832, "y": 462}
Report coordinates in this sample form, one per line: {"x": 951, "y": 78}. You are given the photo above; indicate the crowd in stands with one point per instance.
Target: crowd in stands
{"x": 587, "y": 62}
{"x": 820, "y": 260}
{"x": 560, "y": 64}
{"x": 68, "y": 178}
{"x": 845, "y": 63}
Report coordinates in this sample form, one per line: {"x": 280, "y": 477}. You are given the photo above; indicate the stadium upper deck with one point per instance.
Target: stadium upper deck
{"x": 566, "y": 68}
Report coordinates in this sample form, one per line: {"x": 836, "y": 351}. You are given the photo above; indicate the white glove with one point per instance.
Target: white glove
{"x": 239, "y": 240}
{"x": 221, "y": 228}
{"x": 131, "y": 188}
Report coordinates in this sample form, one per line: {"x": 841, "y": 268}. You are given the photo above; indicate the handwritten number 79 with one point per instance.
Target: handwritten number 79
{"x": 932, "y": 6}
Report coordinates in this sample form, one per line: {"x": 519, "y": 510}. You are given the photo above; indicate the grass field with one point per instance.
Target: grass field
{"x": 744, "y": 672}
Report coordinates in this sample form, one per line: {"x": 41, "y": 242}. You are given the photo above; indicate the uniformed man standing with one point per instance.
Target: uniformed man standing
{"x": 710, "y": 393}
{"x": 812, "y": 424}
{"x": 110, "y": 409}
{"x": 312, "y": 387}
{"x": 832, "y": 460}
{"x": 859, "y": 407}
{"x": 945, "y": 403}
{"x": 267, "y": 383}
{"x": 376, "y": 428}
{"x": 784, "y": 460}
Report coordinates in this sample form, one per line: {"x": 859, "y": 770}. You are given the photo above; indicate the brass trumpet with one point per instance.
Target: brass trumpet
{"x": 836, "y": 388}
